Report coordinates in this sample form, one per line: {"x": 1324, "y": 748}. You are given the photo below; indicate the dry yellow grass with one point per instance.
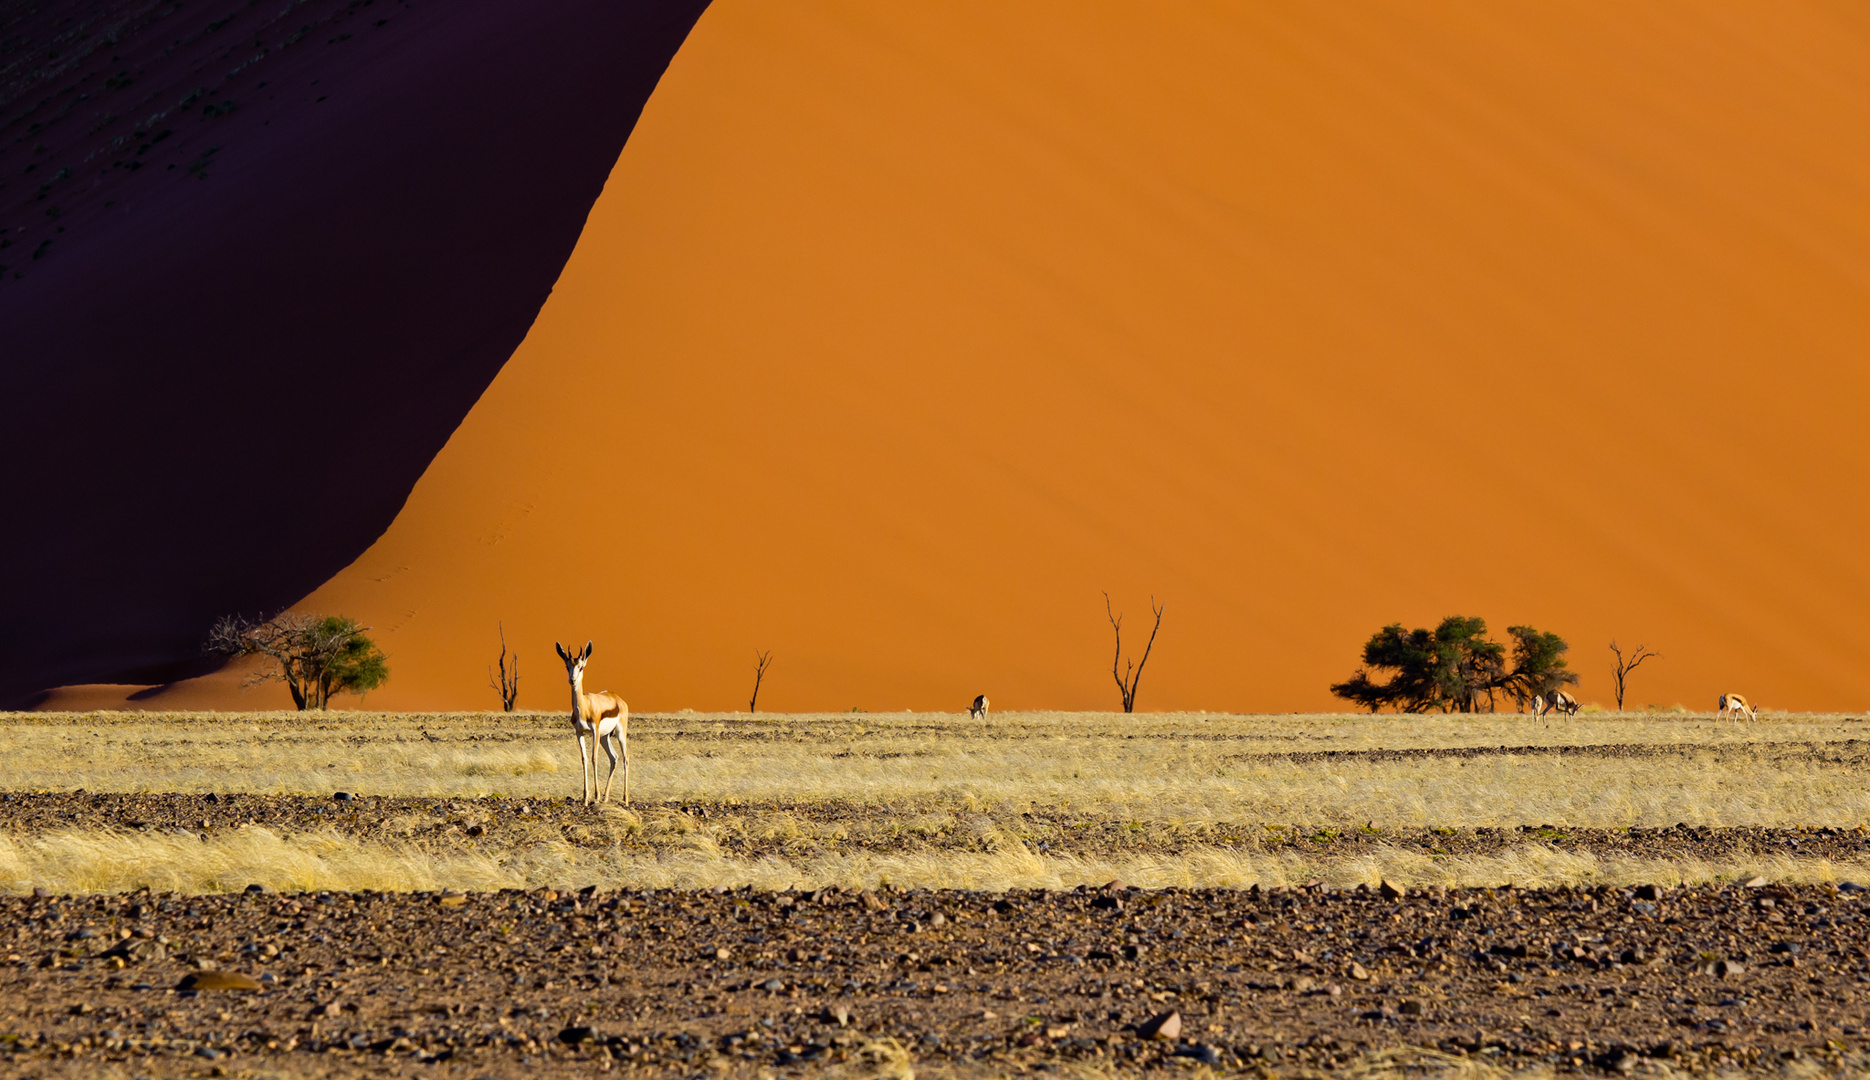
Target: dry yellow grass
{"x": 1158, "y": 768}
{"x": 922, "y": 775}
{"x": 97, "y": 860}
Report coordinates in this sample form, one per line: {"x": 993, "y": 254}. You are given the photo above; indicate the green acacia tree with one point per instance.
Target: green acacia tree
{"x": 1455, "y": 668}
{"x": 316, "y": 656}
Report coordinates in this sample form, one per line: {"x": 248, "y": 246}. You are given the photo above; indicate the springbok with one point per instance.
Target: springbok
{"x": 601, "y": 717}
{"x": 1735, "y": 704}
{"x": 1561, "y": 702}
{"x": 978, "y": 710}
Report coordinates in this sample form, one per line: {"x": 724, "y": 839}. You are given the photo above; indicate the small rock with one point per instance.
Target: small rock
{"x": 342, "y": 796}
{"x": 1303, "y": 984}
{"x": 452, "y": 900}
{"x": 1167, "y": 1027}
{"x": 723, "y": 953}
{"x": 217, "y": 980}
{"x": 137, "y": 951}
{"x": 257, "y": 889}
{"x": 1201, "y": 1052}
{"x": 1756, "y": 883}
{"x": 1391, "y": 892}
{"x": 871, "y": 901}
{"x": 572, "y": 1036}
{"x": 1410, "y": 1007}
{"x": 1648, "y": 892}
{"x": 839, "y": 1015}
{"x": 772, "y": 986}
{"x": 1728, "y": 969}
{"x": 1358, "y": 972}
{"x": 1115, "y": 885}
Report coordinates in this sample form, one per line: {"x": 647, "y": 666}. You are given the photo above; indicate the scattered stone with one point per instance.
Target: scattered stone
{"x": 1648, "y": 892}
{"x": 1358, "y": 973}
{"x": 137, "y": 951}
{"x": 1391, "y": 892}
{"x": 1756, "y": 883}
{"x": 1166, "y": 1027}
{"x": 1202, "y": 1052}
{"x": 217, "y": 980}
{"x": 772, "y": 986}
{"x": 572, "y": 1036}
{"x": 452, "y": 899}
{"x": 342, "y": 796}
{"x": 1410, "y": 1007}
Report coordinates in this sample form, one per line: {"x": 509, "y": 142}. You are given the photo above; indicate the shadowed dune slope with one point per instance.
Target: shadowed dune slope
{"x": 899, "y": 333}
{"x": 257, "y": 266}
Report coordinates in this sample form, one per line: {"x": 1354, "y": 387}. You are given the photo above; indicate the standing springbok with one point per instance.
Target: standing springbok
{"x": 978, "y": 710}
{"x": 601, "y": 717}
{"x": 1561, "y": 702}
{"x": 1735, "y": 704}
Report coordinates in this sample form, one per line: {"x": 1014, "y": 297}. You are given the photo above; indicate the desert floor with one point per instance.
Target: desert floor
{"x": 871, "y": 895}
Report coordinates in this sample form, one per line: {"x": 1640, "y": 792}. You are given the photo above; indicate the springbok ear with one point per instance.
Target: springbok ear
{"x": 587, "y": 650}
{"x": 561, "y": 651}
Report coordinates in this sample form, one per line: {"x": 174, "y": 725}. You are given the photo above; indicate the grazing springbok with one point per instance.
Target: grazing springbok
{"x": 602, "y": 718}
{"x": 978, "y": 710}
{"x": 1561, "y": 702}
{"x": 1735, "y": 704}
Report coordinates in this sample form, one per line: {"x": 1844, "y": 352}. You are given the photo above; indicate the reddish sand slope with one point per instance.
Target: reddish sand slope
{"x": 902, "y": 331}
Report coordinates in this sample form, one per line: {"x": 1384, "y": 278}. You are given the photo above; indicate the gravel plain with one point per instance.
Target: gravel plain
{"x": 686, "y": 983}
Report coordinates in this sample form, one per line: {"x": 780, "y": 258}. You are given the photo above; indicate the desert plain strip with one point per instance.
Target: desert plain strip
{"x": 874, "y": 894}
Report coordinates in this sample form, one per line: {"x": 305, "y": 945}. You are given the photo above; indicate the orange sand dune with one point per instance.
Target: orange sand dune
{"x": 902, "y": 331}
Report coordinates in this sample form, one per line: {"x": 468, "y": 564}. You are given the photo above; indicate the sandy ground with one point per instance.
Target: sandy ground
{"x": 673, "y": 983}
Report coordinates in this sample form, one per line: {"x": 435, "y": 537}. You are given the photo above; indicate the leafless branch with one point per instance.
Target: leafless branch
{"x": 1625, "y": 665}
{"x": 759, "y": 673}
{"x": 507, "y": 682}
{"x": 1131, "y": 674}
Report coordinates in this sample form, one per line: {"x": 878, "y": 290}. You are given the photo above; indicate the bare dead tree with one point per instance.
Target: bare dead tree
{"x": 506, "y": 680}
{"x": 1626, "y": 665}
{"x": 1132, "y": 673}
{"x": 759, "y": 673}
